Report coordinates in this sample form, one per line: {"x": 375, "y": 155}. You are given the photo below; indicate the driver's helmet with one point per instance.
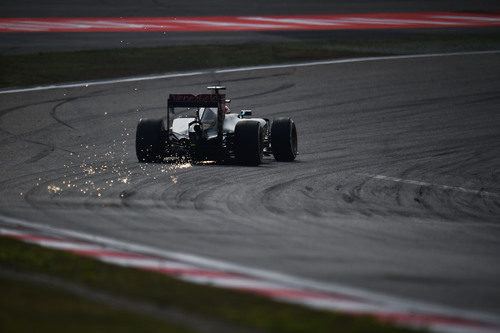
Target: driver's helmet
{"x": 228, "y": 110}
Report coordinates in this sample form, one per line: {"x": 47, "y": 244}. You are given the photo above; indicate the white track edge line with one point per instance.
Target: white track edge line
{"x": 240, "y": 69}
{"x": 400, "y": 303}
{"x": 427, "y": 184}
{"x": 102, "y": 82}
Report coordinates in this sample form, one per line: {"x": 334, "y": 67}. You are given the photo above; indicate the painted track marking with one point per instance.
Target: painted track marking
{"x": 275, "y": 285}
{"x": 251, "y": 23}
{"x": 238, "y": 69}
{"x": 426, "y": 184}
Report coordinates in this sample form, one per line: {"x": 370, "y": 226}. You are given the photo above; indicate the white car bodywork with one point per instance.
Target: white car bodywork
{"x": 208, "y": 116}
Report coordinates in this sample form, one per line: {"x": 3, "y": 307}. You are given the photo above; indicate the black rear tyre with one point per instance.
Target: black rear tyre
{"x": 248, "y": 139}
{"x": 284, "y": 139}
{"x": 150, "y": 140}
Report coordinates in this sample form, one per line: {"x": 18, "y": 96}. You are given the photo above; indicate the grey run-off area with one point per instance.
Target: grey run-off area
{"x": 68, "y": 161}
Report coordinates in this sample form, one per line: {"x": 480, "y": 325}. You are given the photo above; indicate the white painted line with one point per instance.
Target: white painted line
{"x": 468, "y": 18}
{"x": 337, "y": 305}
{"x": 53, "y": 25}
{"x": 231, "y": 24}
{"x": 108, "y": 24}
{"x": 320, "y": 22}
{"x": 8, "y": 232}
{"x": 426, "y": 184}
{"x": 352, "y": 60}
{"x": 103, "y": 82}
{"x": 22, "y": 27}
{"x": 146, "y": 263}
{"x": 239, "y": 69}
{"x": 390, "y": 302}
{"x": 397, "y": 22}
{"x": 231, "y": 282}
{"x": 64, "y": 245}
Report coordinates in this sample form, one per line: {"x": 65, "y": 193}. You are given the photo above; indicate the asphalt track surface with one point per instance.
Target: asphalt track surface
{"x": 396, "y": 189}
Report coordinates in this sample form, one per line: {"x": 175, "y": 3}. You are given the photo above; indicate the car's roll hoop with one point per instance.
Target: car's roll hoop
{"x": 216, "y": 88}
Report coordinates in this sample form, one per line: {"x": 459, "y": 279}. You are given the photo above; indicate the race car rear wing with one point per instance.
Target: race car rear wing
{"x": 202, "y": 100}
{"x": 216, "y": 100}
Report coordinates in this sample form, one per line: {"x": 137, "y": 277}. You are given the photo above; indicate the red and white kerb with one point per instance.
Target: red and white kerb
{"x": 280, "y": 291}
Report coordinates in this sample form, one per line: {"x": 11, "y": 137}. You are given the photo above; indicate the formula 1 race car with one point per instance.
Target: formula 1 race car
{"x": 207, "y": 131}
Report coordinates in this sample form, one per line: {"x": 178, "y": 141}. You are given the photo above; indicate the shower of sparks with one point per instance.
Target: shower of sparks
{"x": 123, "y": 180}
{"x": 53, "y": 189}
{"x": 182, "y": 166}
{"x": 91, "y": 172}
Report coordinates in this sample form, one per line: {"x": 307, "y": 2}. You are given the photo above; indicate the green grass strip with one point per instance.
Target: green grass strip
{"x": 57, "y": 67}
{"x": 26, "y": 307}
{"x": 244, "y": 310}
